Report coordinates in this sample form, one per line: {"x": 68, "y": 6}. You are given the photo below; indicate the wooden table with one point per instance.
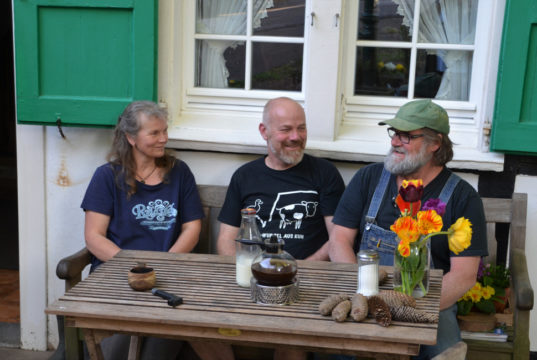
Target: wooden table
{"x": 216, "y": 308}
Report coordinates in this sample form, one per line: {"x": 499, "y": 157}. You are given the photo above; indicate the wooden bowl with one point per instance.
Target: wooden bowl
{"x": 142, "y": 278}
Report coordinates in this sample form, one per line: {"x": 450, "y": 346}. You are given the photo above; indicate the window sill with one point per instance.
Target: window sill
{"x": 234, "y": 139}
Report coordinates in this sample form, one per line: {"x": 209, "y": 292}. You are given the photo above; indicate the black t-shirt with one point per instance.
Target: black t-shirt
{"x": 464, "y": 201}
{"x": 290, "y": 203}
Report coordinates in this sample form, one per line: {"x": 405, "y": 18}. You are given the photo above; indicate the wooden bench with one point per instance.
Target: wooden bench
{"x": 497, "y": 211}
{"x": 513, "y": 212}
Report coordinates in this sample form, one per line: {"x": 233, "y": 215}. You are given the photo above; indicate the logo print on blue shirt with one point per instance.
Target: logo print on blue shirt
{"x": 157, "y": 215}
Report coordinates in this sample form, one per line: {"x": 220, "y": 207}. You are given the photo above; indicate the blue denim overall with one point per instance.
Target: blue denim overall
{"x": 388, "y": 239}
{"x": 448, "y": 328}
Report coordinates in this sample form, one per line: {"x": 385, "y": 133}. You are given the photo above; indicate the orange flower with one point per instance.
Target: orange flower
{"x": 407, "y": 208}
{"x": 403, "y": 248}
{"x": 429, "y": 221}
{"x": 406, "y": 228}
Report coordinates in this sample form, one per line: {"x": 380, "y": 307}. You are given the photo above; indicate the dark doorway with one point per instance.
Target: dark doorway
{"x": 9, "y": 239}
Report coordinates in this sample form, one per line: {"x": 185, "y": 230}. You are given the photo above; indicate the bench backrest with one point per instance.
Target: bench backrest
{"x": 505, "y": 211}
{"x": 511, "y": 212}
{"x": 212, "y": 198}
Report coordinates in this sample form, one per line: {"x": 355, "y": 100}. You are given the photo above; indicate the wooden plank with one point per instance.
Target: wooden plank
{"x": 497, "y": 210}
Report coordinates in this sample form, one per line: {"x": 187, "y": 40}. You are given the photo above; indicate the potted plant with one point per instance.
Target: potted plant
{"x": 488, "y": 295}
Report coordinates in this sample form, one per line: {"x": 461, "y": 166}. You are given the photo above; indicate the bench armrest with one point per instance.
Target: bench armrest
{"x": 71, "y": 267}
{"x": 521, "y": 285}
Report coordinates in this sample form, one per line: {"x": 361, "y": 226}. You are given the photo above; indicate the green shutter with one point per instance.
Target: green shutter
{"x": 515, "y": 113}
{"x": 83, "y": 61}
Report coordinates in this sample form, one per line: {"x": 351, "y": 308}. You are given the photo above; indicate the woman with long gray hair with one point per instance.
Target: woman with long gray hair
{"x": 142, "y": 199}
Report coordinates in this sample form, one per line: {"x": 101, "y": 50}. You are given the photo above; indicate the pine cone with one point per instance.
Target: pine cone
{"x": 396, "y": 299}
{"x": 409, "y": 314}
{"x": 328, "y": 304}
{"x": 341, "y": 311}
{"x": 359, "y": 307}
{"x": 379, "y": 310}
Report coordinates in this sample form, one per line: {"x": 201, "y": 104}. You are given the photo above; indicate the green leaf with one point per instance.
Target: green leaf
{"x": 486, "y": 306}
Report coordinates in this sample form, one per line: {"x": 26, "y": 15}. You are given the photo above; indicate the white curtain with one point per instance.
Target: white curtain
{"x": 446, "y": 22}
{"x": 222, "y": 17}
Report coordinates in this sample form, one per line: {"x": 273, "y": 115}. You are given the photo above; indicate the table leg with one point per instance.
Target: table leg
{"x": 134, "y": 347}
{"x": 94, "y": 344}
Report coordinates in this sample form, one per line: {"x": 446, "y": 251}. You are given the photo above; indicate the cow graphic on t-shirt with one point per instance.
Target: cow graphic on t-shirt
{"x": 296, "y": 212}
{"x": 290, "y": 208}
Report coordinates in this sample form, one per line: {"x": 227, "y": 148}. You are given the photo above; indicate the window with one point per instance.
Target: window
{"x": 350, "y": 63}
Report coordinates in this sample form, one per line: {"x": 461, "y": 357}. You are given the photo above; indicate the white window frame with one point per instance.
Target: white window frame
{"x": 339, "y": 127}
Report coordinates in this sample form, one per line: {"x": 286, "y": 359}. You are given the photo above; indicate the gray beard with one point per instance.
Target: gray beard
{"x": 293, "y": 159}
{"x": 409, "y": 165}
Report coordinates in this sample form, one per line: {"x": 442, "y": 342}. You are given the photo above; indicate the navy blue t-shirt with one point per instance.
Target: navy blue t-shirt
{"x": 290, "y": 204}
{"x": 151, "y": 218}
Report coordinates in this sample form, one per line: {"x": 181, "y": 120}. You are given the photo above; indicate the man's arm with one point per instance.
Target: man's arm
{"x": 341, "y": 244}
{"x": 225, "y": 245}
{"x": 459, "y": 279}
{"x": 322, "y": 253}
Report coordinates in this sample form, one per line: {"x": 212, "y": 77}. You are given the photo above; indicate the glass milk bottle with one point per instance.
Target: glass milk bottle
{"x": 247, "y": 247}
{"x": 368, "y": 272}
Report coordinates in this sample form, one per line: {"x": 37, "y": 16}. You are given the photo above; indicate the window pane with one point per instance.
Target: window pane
{"x": 277, "y": 66}
{"x": 447, "y": 22}
{"x": 285, "y": 18}
{"x": 381, "y": 71}
{"x": 216, "y": 61}
{"x": 221, "y": 17}
{"x": 443, "y": 74}
{"x": 379, "y": 20}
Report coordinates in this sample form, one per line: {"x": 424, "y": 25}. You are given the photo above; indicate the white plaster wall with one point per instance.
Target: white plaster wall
{"x": 528, "y": 184}
{"x": 70, "y": 163}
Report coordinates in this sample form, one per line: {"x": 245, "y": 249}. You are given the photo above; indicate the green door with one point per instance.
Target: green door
{"x": 83, "y": 61}
{"x": 515, "y": 113}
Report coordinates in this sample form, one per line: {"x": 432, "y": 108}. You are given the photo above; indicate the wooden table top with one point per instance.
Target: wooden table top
{"x": 216, "y": 308}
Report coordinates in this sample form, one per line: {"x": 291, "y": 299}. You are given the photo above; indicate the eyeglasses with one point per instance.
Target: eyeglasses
{"x": 404, "y": 137}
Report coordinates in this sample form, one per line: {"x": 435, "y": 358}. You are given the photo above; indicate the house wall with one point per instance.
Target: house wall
{"x": 53, "y": 174}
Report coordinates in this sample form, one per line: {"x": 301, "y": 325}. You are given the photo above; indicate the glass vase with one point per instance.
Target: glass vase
{"x": 411, "y": 273}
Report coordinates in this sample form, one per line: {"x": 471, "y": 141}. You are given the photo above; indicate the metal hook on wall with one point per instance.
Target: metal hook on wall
{"x": 312, "y": 17}
{"x": 59, "y": 124}
{"x": 336, "y": 20}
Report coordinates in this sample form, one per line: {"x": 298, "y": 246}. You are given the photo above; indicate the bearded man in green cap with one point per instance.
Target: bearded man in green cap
{"x": 420, "y": 149}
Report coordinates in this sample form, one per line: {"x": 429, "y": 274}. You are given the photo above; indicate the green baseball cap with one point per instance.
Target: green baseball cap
{"x": 419, "y": 114}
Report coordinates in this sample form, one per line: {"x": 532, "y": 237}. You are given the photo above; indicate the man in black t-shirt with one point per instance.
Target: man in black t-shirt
{"x": 295, "y": 195}
{"x": 420, "y": 148}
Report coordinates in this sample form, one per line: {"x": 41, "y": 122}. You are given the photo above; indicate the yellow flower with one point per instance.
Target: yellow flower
{"x": 429, "y": 221}
{"x": 406, "y": 228}
{"x": 400, "y": 67}
{"x": 487, "y": 292}
{"x": 460, "y": 235}
{"x": 380, "y": 64}
{"x": 476, "y": 292}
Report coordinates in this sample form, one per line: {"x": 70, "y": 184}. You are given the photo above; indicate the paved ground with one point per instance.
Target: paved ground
{"x": 18, "y": 354}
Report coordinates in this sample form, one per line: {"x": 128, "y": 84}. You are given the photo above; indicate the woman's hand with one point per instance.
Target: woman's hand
{"x": 190, "y": 235}
{"x": 97, "y": 243}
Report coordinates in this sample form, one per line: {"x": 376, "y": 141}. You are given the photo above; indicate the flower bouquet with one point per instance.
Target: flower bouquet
{"x": 415, "y": 227}
{"x": 488, "y": 290}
